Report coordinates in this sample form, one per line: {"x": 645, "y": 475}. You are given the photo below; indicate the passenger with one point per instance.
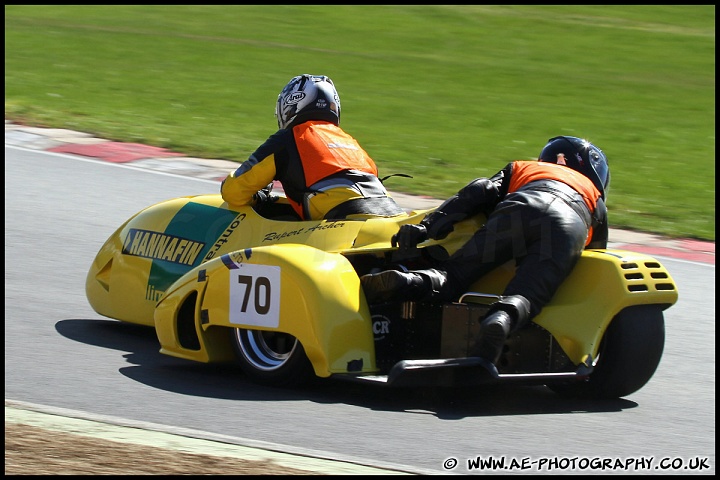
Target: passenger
{"x": 540, "y": 213}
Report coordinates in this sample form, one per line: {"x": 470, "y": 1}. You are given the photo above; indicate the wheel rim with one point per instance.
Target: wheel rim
{"x": 265, "y": 351}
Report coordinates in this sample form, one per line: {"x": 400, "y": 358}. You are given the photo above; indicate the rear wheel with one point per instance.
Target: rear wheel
{"x": 271, "y": 358}
{"x": 629, "y": 354}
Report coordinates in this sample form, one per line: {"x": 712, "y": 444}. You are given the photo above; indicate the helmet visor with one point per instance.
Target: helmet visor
{"x": 598, "y": 161}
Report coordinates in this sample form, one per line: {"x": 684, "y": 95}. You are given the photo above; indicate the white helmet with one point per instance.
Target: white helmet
{"x": 308, "y": 97}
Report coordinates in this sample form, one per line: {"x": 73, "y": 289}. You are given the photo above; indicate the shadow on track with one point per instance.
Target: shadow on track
{"x": 226, "y": 381}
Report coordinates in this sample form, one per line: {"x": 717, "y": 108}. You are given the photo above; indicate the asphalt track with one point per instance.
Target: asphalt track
{"x": 142, "y": 156}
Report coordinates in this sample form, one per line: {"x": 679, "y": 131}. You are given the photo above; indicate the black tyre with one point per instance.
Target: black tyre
{"x": 629, "y": 354}
{"x": 271, "y": 358}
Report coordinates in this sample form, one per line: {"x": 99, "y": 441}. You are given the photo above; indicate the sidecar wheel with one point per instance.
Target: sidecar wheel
{"x": 629, "y": 354}
{"x": 271, "y": 358}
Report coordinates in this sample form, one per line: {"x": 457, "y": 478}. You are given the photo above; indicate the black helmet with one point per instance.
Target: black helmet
{"x": 308, "y": 97}
{"x": 579, "y": 155}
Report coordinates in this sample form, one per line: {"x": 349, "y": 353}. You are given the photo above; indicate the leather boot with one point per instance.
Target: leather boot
{"x": 505, "y": 315}
{"x": 394, "y": 285}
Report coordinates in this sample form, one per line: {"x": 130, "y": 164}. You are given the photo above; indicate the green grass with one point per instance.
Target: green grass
{"x": 443, "y": 93}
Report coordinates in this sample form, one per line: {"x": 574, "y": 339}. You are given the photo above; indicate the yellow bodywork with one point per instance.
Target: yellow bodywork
{"x": 120, "y": 285}
{"x": 175, "y": 266}
{"x": 323, "y": 307}
{"x": 602, "y": 284}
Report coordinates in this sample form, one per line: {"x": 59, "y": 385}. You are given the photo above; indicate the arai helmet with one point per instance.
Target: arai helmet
{"x": 308, "y": 97}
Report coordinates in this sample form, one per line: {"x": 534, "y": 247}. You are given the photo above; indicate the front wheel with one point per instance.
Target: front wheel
{"x": 271, "y": 358}
{"x": 629, "y": 354}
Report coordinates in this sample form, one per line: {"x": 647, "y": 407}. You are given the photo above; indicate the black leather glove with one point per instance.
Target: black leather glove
{"x": 409, "y": 236}
{"x": 265, "y": 195}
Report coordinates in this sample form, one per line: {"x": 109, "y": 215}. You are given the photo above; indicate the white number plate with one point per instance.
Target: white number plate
{"x": 255, "y": 295}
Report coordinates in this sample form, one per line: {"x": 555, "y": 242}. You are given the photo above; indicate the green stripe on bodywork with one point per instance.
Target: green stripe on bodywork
{"x": 201, "y": 223}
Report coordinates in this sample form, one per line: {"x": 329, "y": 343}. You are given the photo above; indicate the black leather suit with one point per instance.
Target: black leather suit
{"x": 544, "y": 225}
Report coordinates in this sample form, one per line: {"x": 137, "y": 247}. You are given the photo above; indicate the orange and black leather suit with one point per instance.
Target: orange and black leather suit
{"x": 541, "y": 214}
{"x": 323, "y": 170}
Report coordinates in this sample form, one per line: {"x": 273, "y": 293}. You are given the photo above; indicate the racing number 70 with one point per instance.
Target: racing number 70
{"x": 262, "y": 293}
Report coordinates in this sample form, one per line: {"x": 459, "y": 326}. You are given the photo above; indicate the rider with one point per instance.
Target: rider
{"x": 542, "y": 214}
{"x": 323, "y": 170}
